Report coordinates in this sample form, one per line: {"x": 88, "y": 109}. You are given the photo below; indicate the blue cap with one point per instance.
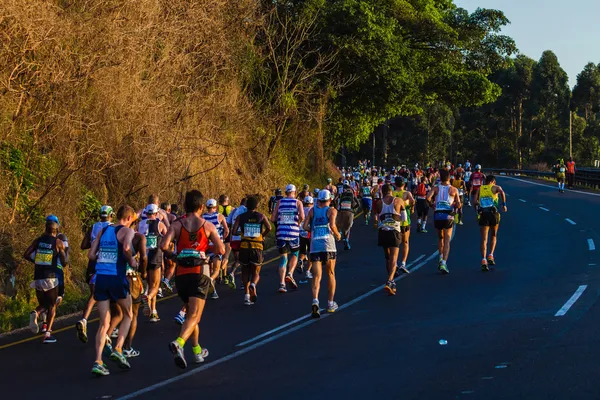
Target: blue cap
{"x": 52, "y": 218}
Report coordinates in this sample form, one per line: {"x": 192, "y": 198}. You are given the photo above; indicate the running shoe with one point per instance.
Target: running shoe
{"x": 484, "y": 266}
{"x": 332, "y": 306}
{"x": 146, "y": 305}
{"x": 290, "y": 279}
{"x": 44, "y": 327}
{"x": 423, "y": 230}
{"x": 130, "y": 353}
{"x": 300, "y": 267}
{"x": 33, "y": 324}
{"x": 179, "y": 319}
{"x": 253, "y": 295}
{"x": 490, "y": 260}
{"x": 115, "y": 333}
{"x": 160, "y": 293}
{"x": 316, "y": 312}
{"x": 179, "y": 356}
{"x": 390, "y": 288}
{"x": 247, "y": 301}
{"x": 214, "y": 295}
{"x": 199, "y": 358}
{"x": 231, "y": 281}
{"x": 404, "y": 270}
{"x": 282, "y": 288}
{"x": 154, "y": 317}
{"x": 100, "y": 369}
{"x": 59, "y": 300}
{"x": 107, "y": 350}
{"x": 460, "y": 222}
{"x": 48, "y": 338}
{"x": 309, "y": 275}
{"x": 120, "y": 359}
{"x": 167, "y": 284}
{"x": 443, "y": 268}
{"x": 346, "y": 245}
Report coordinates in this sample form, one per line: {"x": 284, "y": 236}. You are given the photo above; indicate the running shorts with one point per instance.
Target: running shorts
{"x": 288, "y": 246}
{"x": 304, "y": 245}
{"x": 323, "y": 256}
{"x": 251, "y": 256}
{"x": 387, "y": 239}
{"x": 192, "y": 285}
{"x": 422, "y": 208}
{"x": 442, "y": 220}
{"x": 344, "y": 221}
{"x": 489, "y": 218}
{"x": 110, "y": 287}
{"x": 135, "y": 288}
{"x": 47, "y": 298}
{"x": 367, "y": 203}
{"x": 153, "y": 267}
{"x": 235, "y": 245}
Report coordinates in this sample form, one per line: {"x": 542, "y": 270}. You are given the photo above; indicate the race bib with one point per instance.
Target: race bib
{"x": 251, "y": 230}
{"x": 107, "y": 256}
{"x": 43, "y": 257}
{"x": 476, "y": 182}
{"x": 190, "y": 253}
{"x": 562, "y": 169}
{"x": 443, "y": 206}
{"x": 346, "y": 205}
{"x": 151, "y": 242}
{"x": 366, "y": 191}
{"x": 321, "y": 232}
{"x": 486, "y": 202}
{"x": 287, "y": 218}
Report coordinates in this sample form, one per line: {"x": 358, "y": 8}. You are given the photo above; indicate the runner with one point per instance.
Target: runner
{"x": 366, "y": 200}
{"x": 422, "y": 205}
{"x": 459, "y": 184}
{"x": 305, "y": 192}
{"x": 226, "y": 210}
{"x": 106, "y": 215}
{"x": 560, "y": 169}
{"x": 446, "y": 200}
{"x": 571, "y": 169}
{"x": 321, "y": 223}
{"x": 274, "y": 199}
{"x": 60, "y": 268}
{"x": 289, "y": 214}
{"x": 468, "y": 174}
{"x": 333, "y": 189}
{"x": 489, "y": 217}
{"x": 345, "y": 217}
{"x": 136, "y": 288}
{"x": 377, "y": 195}
{"x": 305, "y": 243}
{"x": 154, "y": 230}
{"x": 236, "y": 241}
{"x": 44, "y": 253}
{"x": 218, "y": 220}
{"x": 112, "y": 250}
{"x": 192, "y": 275}
{"x": 409, "y": 203}
{"x": 161, "y": 215}
{"x": 254, "y": 227}
{"x": 477, "y": 179}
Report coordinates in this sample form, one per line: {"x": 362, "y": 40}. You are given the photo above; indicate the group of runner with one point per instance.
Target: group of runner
{"x": 131, "y": 253}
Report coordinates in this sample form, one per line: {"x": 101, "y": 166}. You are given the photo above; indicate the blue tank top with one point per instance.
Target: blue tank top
{"x": 110, "y": 253}
{"x": 322, "y": 239}
{"x": 287, "y": 219}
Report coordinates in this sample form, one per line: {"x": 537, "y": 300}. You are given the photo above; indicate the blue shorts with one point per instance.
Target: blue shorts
{"x": 288, "y": 246}
{"x": 110, "y": 287}
{"x": 367, "y": 203}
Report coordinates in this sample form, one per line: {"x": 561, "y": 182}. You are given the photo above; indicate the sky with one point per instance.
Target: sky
{"x": 569, "y": 28}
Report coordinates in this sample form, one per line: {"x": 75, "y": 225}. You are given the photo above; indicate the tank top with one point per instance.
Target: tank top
{"x": 287, "y": 220}
{"x": 488, "y": 200}
{"x": 422, "y": 191}
{"x": 46, "y": 257}
{"x": 389, "y": 218}
{"x": 192, "y": 247}
{"x": 366, "y": 192}
{"x": 224, "y": 210}
{"x": 97, "y": 228}
{"x": 214, "y": 219}
{"x": 322, "y": 239}
{"x": 346, "y": 201}
{"x": 152, "y": 233}
{"x": 111, "y": 260}
{"x": 443, "y": 201}
{"x": 251, "y": 223}
{"x": 476, "y": 179}
{"x": 303, "y": 233}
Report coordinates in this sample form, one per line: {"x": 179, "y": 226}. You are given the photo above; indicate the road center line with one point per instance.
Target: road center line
{"x": 571, "y": 301}
{"x": 591, "y": 245}
{"x": 523, "y": 201}
{"x": 570, "y": 221}
{"x": 542, "y": 208}
{"x": 265, "y": 341}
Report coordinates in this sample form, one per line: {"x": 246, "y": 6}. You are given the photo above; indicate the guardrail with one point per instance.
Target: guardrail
{"x": 588, "y": 177}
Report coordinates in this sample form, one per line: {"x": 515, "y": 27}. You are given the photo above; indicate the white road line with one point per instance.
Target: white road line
{"x": 542, "y": 208}
{"x": 548, "y": 186}
{"x": 263, "y": 342}
{"x": 571, "y": 301}
{"x": 591, "y": 245}
{"x": 570, "y": 221}
{"x": 523, "y": 201}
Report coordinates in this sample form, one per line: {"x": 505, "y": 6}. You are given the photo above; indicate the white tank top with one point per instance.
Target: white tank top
{"x": 389, "y": 218}
{"x": 443, "y": 200}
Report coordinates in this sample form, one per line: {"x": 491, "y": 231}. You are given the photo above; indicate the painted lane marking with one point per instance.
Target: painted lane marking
{"x": 591, "y": 245}
{"x": 547, "y": 186}
{"x": 571, "y": 301}
{"x": 570, "y": 221}
{"x": 263, "y": 342}
{"x": 542, "y": 208}
{"x": 523, "y": 201}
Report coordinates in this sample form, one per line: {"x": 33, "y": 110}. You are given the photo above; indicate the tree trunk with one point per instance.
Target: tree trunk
{"x": 519, "y": 134}
{"x": 384, "y": 142}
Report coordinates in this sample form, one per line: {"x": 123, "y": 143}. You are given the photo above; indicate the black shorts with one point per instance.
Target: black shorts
{"x": 422, "y": 207}
{"x": 111, "y": 287}
{"x": 323, "y": 256}
{"x": 47, "y": 298}
{"x": 304, "y": 245}
{"x": 288, "y": 246}
{"x": 192, "y": 285}
{"x": 387, "y": 239}
{"x": 228, "y": 238}
{"x": 404, "y": 229}
{"x": 251, "y": 256}
{"x": 489, "y": 218}
{"x": 152, "y": 267}
{"x": 443, "y": 220}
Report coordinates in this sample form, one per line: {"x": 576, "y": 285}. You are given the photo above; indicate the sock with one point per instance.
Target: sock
{"x": 491, "y": 255}
{"x": 180, "y": 341}
{"x": 197, "y": 349}
{"x": 424, "y": 223}
{"x": 419, "y": 221}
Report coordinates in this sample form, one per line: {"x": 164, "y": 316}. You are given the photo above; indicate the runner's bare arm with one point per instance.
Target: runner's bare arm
{"x": 274, "y": 213}
{"x": 432, "y": 194}
{"x": 213, "y": 236}
{"x": 456, "y": 198}
{"x": 172, "y": 233}
{"x": 502, "y": 196}
{"x": 300, "y": 212}
{"x": 332, "y": 225}
{"x": 92, "y": 256}
{"x": 223, "y": 223}
{"x": 128, "y": 247}
{"x": 266, "y": 225}
{"x": 86, "y": 242}
{"x": 62, "y": 252}
{"x": 306, "y": 223}
{"x": 32, "y": 247}
{"x": 143, "y": 261}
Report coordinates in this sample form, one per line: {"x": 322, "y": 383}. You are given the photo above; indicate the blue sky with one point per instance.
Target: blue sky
{"x": 569, "y": 28}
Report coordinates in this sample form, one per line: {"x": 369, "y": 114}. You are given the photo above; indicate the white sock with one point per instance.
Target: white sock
{"x": 404, "y": 263}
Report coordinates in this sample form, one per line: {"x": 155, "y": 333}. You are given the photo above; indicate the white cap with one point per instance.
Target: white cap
{"x": 324, "y": 195}
{"x": 290, "y": 188}
{"x": 151, "y": 209}
{"x": 211, "y": 203}
{"x": 309, "y": 200}
{"x": 346, "y": 182}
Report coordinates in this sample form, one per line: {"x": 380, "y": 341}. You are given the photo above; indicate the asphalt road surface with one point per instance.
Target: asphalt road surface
{"x": 527, "y": 329}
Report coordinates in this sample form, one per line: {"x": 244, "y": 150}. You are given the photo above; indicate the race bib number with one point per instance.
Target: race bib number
{"x": 476, "y": 182}
{"x": 107, "y": 256}
{"x": 251, "y": 230}
{"x": 486, "y": 202}
{"x": 366, "y": 191}
{"x": 151, "y": 242}
{"x": 287, "y": 218}
{"x": 443, "y": 205}
{"x": 321, "y": 232}
{"x": 43, "y": 257}
{"x": 190, "y": 253}
{"x": 346, "y": 205}
{"x": 562, "y": 169}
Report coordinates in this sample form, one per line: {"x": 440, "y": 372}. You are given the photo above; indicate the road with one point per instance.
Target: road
{"x": 519, "y": 331}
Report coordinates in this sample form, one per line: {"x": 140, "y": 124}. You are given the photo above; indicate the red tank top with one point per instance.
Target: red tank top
{"x": 571, "y": 167}
{"x": 421, "y": 190}
{"x": 191, "y": 247}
